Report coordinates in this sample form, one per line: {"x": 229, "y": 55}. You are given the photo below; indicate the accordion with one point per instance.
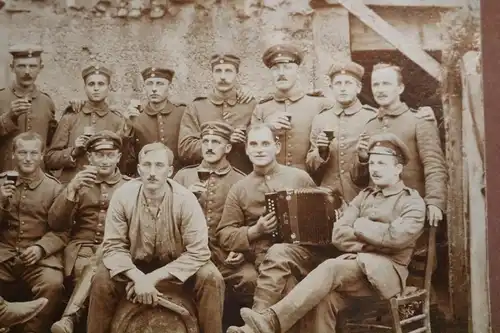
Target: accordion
{"x": 305, "y": 216}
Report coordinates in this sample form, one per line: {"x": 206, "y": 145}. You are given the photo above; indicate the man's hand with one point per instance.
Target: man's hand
{"x": 267, "y": 223}
{"x": 322, "y": 140}
{"x": 79, "y": 147}
{"x": 280, "y": 121}
{"x": 19, "y": 107}
{"x": 131, "y": 111}
{"x": 32, "y": 255}
{"x": 234, "y": 259}
{"x": 7, "y": 189}
{"x": 244, "y": 95}
{"x": 77, "y": 104}
{"x": 434, "y": 214}
{"x": 145, "y": 290}
{"x": 197, "y": 187}
{"x": 84, "y": 178}
{"x": 238, "y": 136}
{"x": 362, "y": 147}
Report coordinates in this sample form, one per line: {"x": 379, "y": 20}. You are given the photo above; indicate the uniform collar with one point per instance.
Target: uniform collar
{"x": 222, "y": 170}
{"x": 293, "y": 95}
{"x": 216, "y": 98}
{"x": 350, "y": 110}
{"x": 32, "y": 182}
{"x": 101, "y": 111}
{"x": 394, "y": 110}
{"x": 272, "y": 171}
{"x": 165, "y": 111}
{"x": 392, "y": 189}
{"x": 111, "y": 180}
{"x": 32, "y": 93}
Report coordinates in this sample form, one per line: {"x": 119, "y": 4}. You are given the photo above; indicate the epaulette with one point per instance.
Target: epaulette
{"x": 52, "y": 177}
{"x": 425, "y": 113}
{"x": 46, "y": 94}
{"x": 125, "y": 177}
{"x": 199, "y": 98}
{"x": 369, "y": 108}
{"x": 368, "y": 189}
{"x": 266, "y": 99}
{"x": 239, "y": 171}
{"x": 68, "y": 109}
{"x": 2, "y": 89}
{"x": 115, "y": 111}
{"x": 191, "y": 166}
{"x": 179, "y": 104}
{"x": 316, "y": 93}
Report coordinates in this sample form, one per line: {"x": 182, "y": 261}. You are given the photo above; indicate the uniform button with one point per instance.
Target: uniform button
{"x": 211, "y": 193}
{"x": 342, "y": 137}
{"x": 288, "y": 163}
{"x": 208, "y": 218}
{"x": 341, "y": 171}
{"x": 99, "y": 225}
{"x": 289, "y": 154}
{"x": 98, "y": 233}
{"x": 22, "y": 222}
{"x": 210, "y": 202}
{"x": 289, "y": 137}
{"x": 24, "y": 197}
{"x": 162, "y": 139}
{"x": 341, "y": 145}
{"x": 209, "y": 210}
{"x": 96, "y": 241}
{"x": 136, "y": 140}
{"x": 289, "y": 146}
{"x": 93, "y": 121}
{"x": 341, "y": 162}
{"x": 341, "y": 153}
{"x": 21, "y": 232}
{"x": 161, "y": 131}
{"x": 102, "y": 211}
{"x": 268, "y": 177}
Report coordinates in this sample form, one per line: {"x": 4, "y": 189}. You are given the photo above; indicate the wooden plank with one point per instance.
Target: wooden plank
{"x": 407, "y": 47}
{"x": 408, "y": 3}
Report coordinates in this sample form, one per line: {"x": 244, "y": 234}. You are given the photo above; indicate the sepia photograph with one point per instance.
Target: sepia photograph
{"x": 242, "y": 166}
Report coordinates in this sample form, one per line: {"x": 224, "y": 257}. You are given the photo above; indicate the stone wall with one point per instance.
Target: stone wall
{"x": 184, "y": 42}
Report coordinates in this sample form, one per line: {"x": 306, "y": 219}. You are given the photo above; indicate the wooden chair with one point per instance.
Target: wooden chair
{"x": 407, "y": 310}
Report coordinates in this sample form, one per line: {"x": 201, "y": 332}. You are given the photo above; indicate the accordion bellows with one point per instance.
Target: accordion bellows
{"x": 305, "y": 216}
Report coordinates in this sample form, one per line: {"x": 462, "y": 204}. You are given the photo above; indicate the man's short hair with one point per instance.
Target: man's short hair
{"x": 156, "y": 146}
{"x": 395, "y": 68}
{"x": 260, "y": 126}
{"x": 28, "y": 136}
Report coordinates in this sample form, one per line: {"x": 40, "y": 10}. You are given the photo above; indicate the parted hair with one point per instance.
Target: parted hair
{"x": 395, "y": 68}
{"x": 156, "y": 146}
{"x": 259, "y": 126}
{"x": 28, "y": 136}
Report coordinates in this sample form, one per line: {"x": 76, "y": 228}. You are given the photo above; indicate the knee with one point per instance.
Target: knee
{"x": 102, "y": 279}
{"x": 209, "y": 274}
{"x": 329, "y": 265}
{"x": 51, "y": 283}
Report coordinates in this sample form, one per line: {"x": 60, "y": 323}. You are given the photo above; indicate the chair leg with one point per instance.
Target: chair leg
{"x": 396, "y": 325}
{"x": 427, "y": 311}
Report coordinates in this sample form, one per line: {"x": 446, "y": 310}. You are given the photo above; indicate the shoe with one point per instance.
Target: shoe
{"x": 242, "y": 329}
{"x": 20, "y": 312}
{"x": 65, "y": 325}
{"x": 265, "y": 322}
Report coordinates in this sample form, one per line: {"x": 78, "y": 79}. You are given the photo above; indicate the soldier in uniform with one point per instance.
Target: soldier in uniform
{"x": 378, "y": 232}
{"x": 67, "y": 152}
{"x": 222, "y": 104}
{"x": 30, "y": 251}
{"x": 15, "y": 313}
{"x": 331, "y": 160}
{"x": 245, "y": 227}
{"x": 289, "y": 110}
{"x": 84, "y": 203}
{"x": 23, "y": 107}
{"x": 158, "y": 121}
{"x": 240, "y": 276}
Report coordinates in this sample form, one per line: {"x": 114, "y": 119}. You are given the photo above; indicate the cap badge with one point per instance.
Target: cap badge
{"x": 221, "y": 61}
{"x": 30, "y": 53}
{"x": 211, "y": 132}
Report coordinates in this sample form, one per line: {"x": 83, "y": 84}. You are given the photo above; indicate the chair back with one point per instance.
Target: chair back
{"x": 431, "y": 255}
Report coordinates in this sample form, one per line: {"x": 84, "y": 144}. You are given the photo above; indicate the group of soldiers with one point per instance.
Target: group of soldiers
{"x": 125, "y": 203}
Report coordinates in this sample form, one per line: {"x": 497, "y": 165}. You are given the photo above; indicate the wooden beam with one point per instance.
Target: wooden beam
{"x": 393, "y": 36}
{"x": 408, "y": 3}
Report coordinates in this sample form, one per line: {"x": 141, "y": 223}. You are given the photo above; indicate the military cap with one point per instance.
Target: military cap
{"x": 96, "y": 69}
{"x": 349, "y": 68}
{"x": 282, "y": 53}
{"x": 25, "y": 50}
{"x": 156, "y": 72}
{"x": 389, "y": 144}
{"x": 225, "y": 59}
{"x": 216, "y": 128}
{"x": 104, "y": 140}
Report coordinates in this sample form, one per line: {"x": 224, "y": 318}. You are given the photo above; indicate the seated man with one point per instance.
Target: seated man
{"x": 240, "y": 276}
{"x": 378, "y": 232}
{"x": 245, "y": 226}
{"x": 155, "y": 235}
{"x": 84, "y": 203}
{"x": 30, "y": 251}
{"x": 15, "y": 313}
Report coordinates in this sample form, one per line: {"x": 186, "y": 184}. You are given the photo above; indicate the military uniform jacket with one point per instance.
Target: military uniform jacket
{"x": 70, "y": 127}
{"x": 25, "y": 221}
{"x": 85, "y": 217}
{"x": 294, "y": 142}
{"x": 382, "y": 227}
{"x": 426, "y": 170}
{"x": 214, "y": 108}
{"x": 245, "y": 204}
{"x": 151, "y": 126}
{"x": 347, "y": 125}
{"x": 212, "y": 201}
{"x": 41, "y": 119}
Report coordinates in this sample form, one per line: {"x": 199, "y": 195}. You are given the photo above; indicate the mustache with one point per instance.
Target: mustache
{"x": 27, "y": 76}
{"x": 381, "y": 95}
{"x": 209, "y": 151}
{"x": 282, "y": 78}
{"x": 152, "y": 178}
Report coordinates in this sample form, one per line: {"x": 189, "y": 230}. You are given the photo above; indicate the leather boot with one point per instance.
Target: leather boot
{"x": 65, "y": 325}
{"x": 236, "y": 329}
{"x": 265, "y": 322}
{"x": 20, "y": 312}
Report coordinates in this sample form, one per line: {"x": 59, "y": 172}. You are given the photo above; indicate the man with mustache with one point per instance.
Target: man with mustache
{"x": 157, "y": 121}
{"x": 239, "y": 275}
{"x": 155, "y": 237}
{"x": 23, "y": 107}
{"x": 289, "y": 110}
{"x": 377, "y": 232}
{"x": 84, "y": 203}
{"x": 245, "y": 227}
{"x": 30, "y": 250}
{"x": 222, "y": 104}
{"x": 67, "y": 152}
{"x": 329, "y": 160}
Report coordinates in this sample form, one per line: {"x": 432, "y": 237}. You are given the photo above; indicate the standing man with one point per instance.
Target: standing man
{"x": 222, "y": 104}
{"x": 330, "y": 161}
{"x": 158, "y": 121}
{"x": 67, "y": 152}
{"x": 23, "y": 107}
{"x": 240, "y": 276}
{"x": 84, "y": 204}
{"x": 378, "y": 232}
{"x": 289, "y": 110}
{"x": 245, "y": 227}
{"x": 30, "y": 250}
{"x": 155, "y": 235}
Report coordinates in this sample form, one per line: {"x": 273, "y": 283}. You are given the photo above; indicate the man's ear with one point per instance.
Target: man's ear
{"x": 278, "y": 147}
{"x": 170, "y": 171}
{"x": 228, "y": 148}
{"x": 401, "y": 88}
